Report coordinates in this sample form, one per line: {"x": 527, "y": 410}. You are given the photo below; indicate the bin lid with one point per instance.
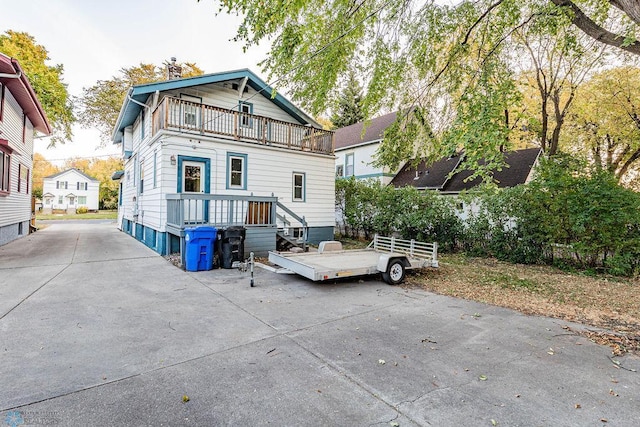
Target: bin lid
{"x": 204, "y": 228}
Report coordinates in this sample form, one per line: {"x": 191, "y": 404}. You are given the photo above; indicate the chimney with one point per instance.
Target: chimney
{"x": 173, "y": 71}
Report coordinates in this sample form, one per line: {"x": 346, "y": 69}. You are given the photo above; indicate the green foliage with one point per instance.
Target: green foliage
{"x": 100, "y": 104}
{"x": 349, "y": 108}
{"x": 47, "y": 81}
{"x": 82, "y": 210}
{"x": 568, "y": 214}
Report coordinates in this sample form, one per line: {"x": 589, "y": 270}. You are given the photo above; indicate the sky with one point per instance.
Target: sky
{"x": 93, "y": 39}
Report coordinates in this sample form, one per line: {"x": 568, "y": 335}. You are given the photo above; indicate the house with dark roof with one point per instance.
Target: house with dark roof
{"x": 447, "y": 176}
{"x": 222, "y": 150}
{"x": 21, "y": 115}
{"x": 355, "y": 150}
{"x": 69, "y": 190}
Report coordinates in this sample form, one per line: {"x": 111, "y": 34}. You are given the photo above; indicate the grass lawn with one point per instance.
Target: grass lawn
{"x": 609, "y": 304}
{"x": 111, "y": 214}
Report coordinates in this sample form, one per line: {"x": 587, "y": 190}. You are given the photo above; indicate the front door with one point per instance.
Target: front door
{"x": 193, "y": 174}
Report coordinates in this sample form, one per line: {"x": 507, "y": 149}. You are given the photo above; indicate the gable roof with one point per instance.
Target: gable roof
{"x": 55, "y": 175}
{"x": 435, "y": 176}
{"x": 13, "y": 78}
{"x": 131, "y": 109}
{"x": 349, "y": 136}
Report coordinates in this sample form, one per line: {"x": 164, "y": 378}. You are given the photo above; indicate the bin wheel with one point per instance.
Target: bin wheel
{"x": 395, "y": 273}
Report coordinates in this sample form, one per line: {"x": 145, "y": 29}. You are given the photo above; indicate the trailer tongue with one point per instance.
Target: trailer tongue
{"x": 386, "y": 255}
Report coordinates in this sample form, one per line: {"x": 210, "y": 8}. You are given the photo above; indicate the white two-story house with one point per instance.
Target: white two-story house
{"x": 222, "y": 149}
{"x": 356, "y": 150}
{"x": 69, "y": 190}
{"x": 20, "y": 116}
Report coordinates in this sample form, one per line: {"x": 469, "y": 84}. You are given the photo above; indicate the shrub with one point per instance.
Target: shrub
{"x": 82, "y": 210}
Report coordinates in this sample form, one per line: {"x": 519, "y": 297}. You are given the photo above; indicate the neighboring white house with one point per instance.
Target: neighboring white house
{"x": 222, "y": 149}
{"x": 355, "y": 151}
{"x": 69, "y": 190}
{"x": 20, "y": 115}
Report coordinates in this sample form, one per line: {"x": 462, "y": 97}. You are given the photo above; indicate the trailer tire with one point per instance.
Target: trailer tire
{"x": 395, "y": 273}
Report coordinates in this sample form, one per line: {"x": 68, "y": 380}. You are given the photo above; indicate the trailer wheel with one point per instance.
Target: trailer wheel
{"x": 395, "y": 273}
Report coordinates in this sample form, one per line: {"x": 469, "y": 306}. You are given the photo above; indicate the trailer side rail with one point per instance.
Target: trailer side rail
{"x": 410, "y": 248}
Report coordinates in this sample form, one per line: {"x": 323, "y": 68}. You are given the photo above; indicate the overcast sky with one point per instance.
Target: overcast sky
{"x": 93, "y": 39}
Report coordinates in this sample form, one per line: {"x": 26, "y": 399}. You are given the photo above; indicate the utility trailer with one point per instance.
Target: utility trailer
{"x": 386, "y": 255}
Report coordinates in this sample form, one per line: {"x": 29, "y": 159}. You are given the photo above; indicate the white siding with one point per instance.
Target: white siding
{"x": 363, "y": 169}
{"x": 72, "y": 177}
{"x": 16, "y": 207}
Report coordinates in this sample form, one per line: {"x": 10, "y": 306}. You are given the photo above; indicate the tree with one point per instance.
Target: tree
{"x": 416, "y": 55}
{"x": 349, "y": 108}
{"x": 100, "y": 104}
{"x": 41, "y": 168}
{"x": 605, "y": 123}
{"x": 556, "y": 68}
{"x": 47, "y": 81}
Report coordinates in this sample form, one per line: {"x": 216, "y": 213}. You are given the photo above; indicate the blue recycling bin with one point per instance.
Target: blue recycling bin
{"x": 199, "y": 248}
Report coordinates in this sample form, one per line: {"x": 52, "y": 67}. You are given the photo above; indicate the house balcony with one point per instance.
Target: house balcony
{"x": 202, "y": 119}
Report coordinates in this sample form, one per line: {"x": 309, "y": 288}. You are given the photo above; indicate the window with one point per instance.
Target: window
{"x": 142, "y": 175}
{"x": 237, "y": 171}
{"x": 81, "y": 185}
{"x": 142, "y": 124}
{"x": 349, "y": 165}
{"x": 155, "y": 166}
{"x": 5, "y": 171}
{"x": 298, "y": 187}
{"x": 24, "y": 128}
{"x": 59, "y": 200}
{"x": 246, "y": 110}
{"x": 23, "y": 179}
{"x": 340, "y": 170}
{"x": 82, "y": 200}
{"x": 62, "y": 185}
{"x": 190, "y": 110}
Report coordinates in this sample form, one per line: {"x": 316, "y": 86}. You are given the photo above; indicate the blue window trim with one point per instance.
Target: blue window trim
{"x": 142, "y": 124}
{"x": 304, "y": 187}
{"x": 244, "y": 158}
{"x": 250, "y": 122}
{"x": 155, "y": 166}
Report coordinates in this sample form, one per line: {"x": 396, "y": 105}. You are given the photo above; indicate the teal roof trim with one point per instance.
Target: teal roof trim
{"x": 130, "y": 110}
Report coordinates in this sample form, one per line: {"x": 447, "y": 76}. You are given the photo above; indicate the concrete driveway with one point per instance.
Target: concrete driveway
{"x": 96, "y": 329}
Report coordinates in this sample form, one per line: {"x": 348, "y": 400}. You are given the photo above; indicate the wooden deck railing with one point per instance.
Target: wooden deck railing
{"x": 190, "y": 117}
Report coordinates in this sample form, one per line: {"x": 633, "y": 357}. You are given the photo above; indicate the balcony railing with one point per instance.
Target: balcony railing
{"x": 191, "y": 117}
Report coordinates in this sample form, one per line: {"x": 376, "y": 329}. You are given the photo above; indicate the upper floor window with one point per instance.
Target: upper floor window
{"x": 246, "y": 110}
{"x": 81, "y": 186}
{"x": 142, "y": 175}
{"x": 349, "y": 163}
{"x": 23, "y": 178}
{"x": 142, "y": 124}
{"x": 62, "y": 185}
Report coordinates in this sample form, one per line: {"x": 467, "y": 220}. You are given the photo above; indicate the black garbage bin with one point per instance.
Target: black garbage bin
{"x": 231, "y": 245}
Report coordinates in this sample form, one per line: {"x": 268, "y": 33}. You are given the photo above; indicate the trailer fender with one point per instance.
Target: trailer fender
{"x": 385, "y": 260}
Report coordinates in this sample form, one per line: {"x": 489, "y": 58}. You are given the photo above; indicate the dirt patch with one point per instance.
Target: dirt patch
{"x": 609, "y": 303}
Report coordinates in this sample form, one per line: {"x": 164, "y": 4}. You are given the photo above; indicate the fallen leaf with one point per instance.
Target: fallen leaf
{"x": 494, "y": 422}
{"x": 578, "y": 406}
{"x": 482, "y": 377}
{"x": 185, "y": 398}
{"x": 394, "y": 424}
{"x": 382, "y": 362}
{"x": 604, "y": 420}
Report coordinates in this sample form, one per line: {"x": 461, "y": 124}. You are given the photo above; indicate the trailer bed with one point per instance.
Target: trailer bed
{"x": 382, "y": 253}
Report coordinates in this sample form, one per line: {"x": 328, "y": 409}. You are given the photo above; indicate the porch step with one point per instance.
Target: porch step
{"x": 285, "y": 243}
